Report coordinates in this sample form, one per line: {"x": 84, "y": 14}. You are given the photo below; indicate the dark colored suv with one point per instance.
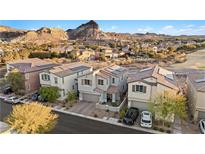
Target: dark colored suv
{"x": 131, "y": 116}
{"x": 7, "y": 90}
{"x": 35, "y": 96}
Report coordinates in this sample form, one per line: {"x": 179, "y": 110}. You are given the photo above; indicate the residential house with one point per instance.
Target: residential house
{"x": 196, "y": 94}
{"x": 86, "y": 54}
{"x": 64, "y": 77}
{"x": 103, "y": 85}
{"x": 108, "y": 52}
{"x": 145, "y": 84}
{"x": 126, "y": 48}
{"x": 30, "y": 69}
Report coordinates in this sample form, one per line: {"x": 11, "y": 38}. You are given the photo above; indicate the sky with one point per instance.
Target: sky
{"x": 170, "y": 27}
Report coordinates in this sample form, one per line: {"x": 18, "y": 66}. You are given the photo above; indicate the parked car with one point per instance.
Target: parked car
{"x": 131, "y": 116}
{"x": 7, "y": 90}
{"x": 2, "y": 97}
{"x": 12, "y": 99}
{"x": 41, "y": 99}
{"x": 146, "y": 119}
{"x": 35, "y": 96}
{"x": 24, "y": 100}
{"x": 202, "y": 126}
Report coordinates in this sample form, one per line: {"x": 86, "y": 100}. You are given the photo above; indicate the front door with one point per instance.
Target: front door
{"x": 109, "y": 97}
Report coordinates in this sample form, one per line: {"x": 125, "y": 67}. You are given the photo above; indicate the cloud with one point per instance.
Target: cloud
{"x": 114, "y": 27}
{"x": 202, "y": 27}
{"x": 189, "y": 26}
{"x": 167, "y": 27}
{"x": 185, "y": 29}
{"x": 34, "y": 29}
{"x": 144, "y": 30}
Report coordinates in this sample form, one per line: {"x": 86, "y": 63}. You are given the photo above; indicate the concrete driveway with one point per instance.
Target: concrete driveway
{"x": 85, "y": 108}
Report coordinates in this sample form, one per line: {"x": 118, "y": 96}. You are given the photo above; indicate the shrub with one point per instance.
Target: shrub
{"x": 161, "y": 129}
{"x": 16, "y": 80}
{"x": 95, "y": 115}
{"x": 49, "y": 93}
{"x": 32, "y": 118}
{"x": 155, "y": 128}
{"x": 168, "y": 131}
{"x": 122, "y": 113}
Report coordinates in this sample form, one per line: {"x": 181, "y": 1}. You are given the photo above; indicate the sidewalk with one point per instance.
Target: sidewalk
{"x": 110, "y": 121}
{"x": 184, "y": 127}
{"x": 177, "y": 129}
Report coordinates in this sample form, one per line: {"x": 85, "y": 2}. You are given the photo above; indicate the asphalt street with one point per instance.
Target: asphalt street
{"x": 70, "y": 124}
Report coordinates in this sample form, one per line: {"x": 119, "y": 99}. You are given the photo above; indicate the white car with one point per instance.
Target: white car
{"x": 146, "y": 119}
{"x": 2, "y": 97}
{"x": 24, "y": 100}
{"x": 12, "y": 100}
{"x": 202, "y": 126}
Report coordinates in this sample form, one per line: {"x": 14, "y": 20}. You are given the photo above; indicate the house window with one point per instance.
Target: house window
{"x": 56, "y": 80}
{"x": 139, "y": 88}
{"x": 113, "y": 80}
{"x": 45, "y": 77}
{"x": 100, "y": 82}
{"x": 86, "y": 82}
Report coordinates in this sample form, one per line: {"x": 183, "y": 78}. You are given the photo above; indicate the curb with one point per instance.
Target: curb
{"x": 109, "y": 122}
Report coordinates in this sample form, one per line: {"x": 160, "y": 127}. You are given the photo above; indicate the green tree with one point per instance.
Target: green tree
{"x": 122, "y": 112}
{"x": 71, "y": 97}
{"x": 167, "y": 104}
{"x": 32, "y": 118}
{"x": 50, "y": 94}
{"x": 16, "y": 80}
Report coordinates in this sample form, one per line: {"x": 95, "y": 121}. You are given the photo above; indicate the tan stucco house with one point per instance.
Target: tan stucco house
{"x": 30, "y": 69}
{"x": 196, "y": 94}
{"x": 145, "y": 84}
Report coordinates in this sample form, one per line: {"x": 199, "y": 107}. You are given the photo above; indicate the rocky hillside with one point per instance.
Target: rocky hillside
{"x": 43, "y": 35}
{"x": 89, "y": 30}
{"x": 8, "y": 33}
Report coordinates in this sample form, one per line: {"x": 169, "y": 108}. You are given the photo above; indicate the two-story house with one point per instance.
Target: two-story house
{"x": 145, "y": 84}
{"x": 103, "y": 85}
{"x": 64, "y": 77}
{"x": 196, "y": 94}
{"x": 30, "y": 69}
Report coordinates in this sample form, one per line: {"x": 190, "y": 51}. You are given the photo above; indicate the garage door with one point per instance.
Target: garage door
{"x": 90, "y": 97}
{"x": 201, "y": 115}
{"x": 139, "y": 105}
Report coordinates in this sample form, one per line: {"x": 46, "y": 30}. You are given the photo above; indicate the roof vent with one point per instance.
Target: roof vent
{"x": 146, "y": 69}
{"x": 200, "y": 80}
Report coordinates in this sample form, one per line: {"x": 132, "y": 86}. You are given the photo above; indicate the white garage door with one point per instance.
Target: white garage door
{"x": 90, "y": 97}
{"x": 139, "y": 105}
{"x": 201, "y": 115}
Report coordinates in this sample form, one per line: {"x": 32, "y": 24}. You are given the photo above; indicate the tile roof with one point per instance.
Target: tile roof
{"x": 69, "y": 69}
{"x": 113, "y": 70}
{"x": 31, "y": 64}
{"x": 162, "y": 76}
{"x": 112, "y": 89}
{"x": 98, "y": 90}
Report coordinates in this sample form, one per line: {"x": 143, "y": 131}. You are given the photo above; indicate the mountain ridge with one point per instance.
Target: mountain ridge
{"x": 86, "y": 31}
